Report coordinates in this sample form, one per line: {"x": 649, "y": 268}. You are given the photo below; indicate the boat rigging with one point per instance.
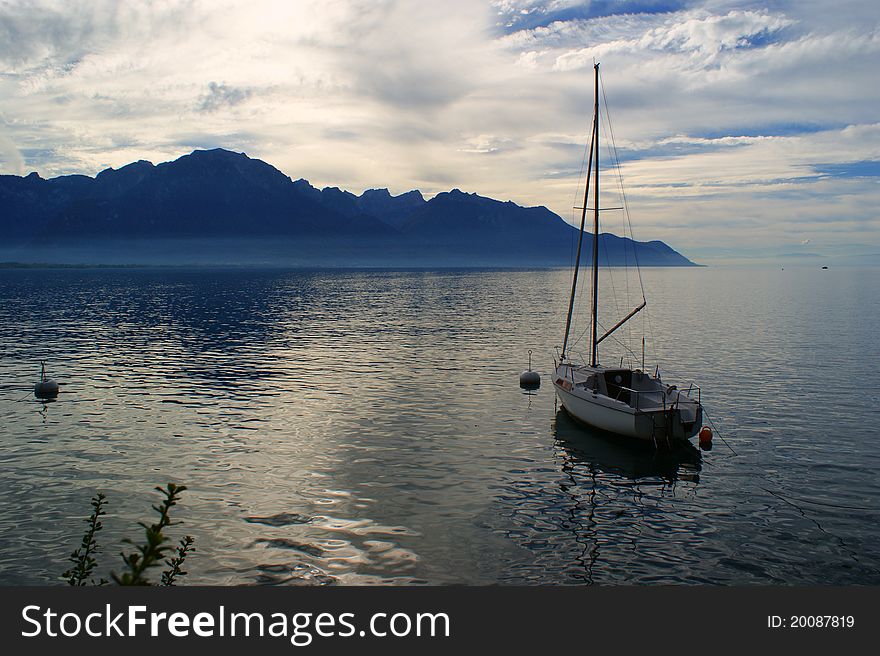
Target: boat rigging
{"x": 623, "y": 401}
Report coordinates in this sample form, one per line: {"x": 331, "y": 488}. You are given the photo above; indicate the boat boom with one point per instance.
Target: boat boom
{"x": 623, "y": 321}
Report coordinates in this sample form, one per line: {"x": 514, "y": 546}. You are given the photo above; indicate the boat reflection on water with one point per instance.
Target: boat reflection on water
{"x": 588, "y": 449}
{"x": 613, "y": 502}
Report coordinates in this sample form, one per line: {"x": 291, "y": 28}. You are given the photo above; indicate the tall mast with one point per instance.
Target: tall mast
{"x": 577, "y": 260}
{"x": 594, "y": 344}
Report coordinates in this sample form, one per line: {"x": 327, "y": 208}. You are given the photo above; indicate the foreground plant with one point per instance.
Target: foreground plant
{"x": 175, "y": 565}
{"x": 83, "y": 559}
{"x": 145, "y": 556}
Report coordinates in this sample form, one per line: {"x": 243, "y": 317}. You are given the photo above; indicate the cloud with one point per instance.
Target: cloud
{"x": 702, "y": 37}
{"x": 486, "y": 144}
{"x": 221, "y": 95}
{"x": 518, "y": 15}
{"x": 10, "y": 157}
{"x": 733, "y": 123}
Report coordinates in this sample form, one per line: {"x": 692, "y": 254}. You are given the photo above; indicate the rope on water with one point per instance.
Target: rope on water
{"x": 718, "y": 432}
{"x": 791, "y": 500}
{"x": 24, "y": 398}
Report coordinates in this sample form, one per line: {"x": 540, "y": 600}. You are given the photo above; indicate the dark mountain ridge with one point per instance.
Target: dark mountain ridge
{"x": 217, "y": 206}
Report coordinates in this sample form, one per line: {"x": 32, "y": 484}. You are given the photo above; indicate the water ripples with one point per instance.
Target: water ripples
{"x": 366, "y": 428}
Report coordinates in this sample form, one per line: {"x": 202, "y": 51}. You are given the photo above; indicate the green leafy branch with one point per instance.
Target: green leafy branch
{"x": 175, "y": 565}
{"x": 83, "y": 560}
{"x": 137, "y": 563}
{"x": 154, "y": 549}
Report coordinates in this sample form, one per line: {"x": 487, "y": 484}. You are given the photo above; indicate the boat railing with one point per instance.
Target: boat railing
{"x": 689, "y": 393}
{"x": 636, "y": 393}
{"x": 693, "y": 387}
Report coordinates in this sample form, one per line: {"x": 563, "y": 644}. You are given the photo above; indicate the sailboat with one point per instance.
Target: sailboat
{"x": 620, "y": 400}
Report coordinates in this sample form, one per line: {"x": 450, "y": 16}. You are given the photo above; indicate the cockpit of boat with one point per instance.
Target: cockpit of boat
{"x": 618, "y": 383}
{"x": 633, "y": 387}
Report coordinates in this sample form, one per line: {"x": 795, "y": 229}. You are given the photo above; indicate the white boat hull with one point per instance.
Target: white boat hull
{"x": 596, "y": 414}
{"x": 679, "y": 422}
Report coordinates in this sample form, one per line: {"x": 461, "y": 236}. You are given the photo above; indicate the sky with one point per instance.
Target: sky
{"x": 745, "y": 130}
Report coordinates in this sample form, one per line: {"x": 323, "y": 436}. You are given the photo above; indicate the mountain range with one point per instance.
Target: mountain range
{"x": 221, "y": 207}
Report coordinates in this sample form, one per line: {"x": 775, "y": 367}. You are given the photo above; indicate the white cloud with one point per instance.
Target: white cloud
{"x": 10, "y": 159}
{"x": 702, "y": 37}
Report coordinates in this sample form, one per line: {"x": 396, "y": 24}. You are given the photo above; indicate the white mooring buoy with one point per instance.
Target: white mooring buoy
{"x": 530, "y": 380}
{"x": 46, "y": 388}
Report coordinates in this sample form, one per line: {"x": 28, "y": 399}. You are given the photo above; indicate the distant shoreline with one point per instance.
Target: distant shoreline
{"x": 48, "y": 265}
{"x": 329, "y": 267}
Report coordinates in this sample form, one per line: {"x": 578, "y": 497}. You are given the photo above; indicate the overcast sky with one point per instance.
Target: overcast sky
{"x": 744, "y": 129}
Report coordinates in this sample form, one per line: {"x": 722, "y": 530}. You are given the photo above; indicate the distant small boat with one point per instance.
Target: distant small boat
{"x": 620, "y": 400}
{"x": 824, "y": 267}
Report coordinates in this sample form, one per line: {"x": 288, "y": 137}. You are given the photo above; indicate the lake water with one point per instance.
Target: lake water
{"x": 366, "y": 427}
